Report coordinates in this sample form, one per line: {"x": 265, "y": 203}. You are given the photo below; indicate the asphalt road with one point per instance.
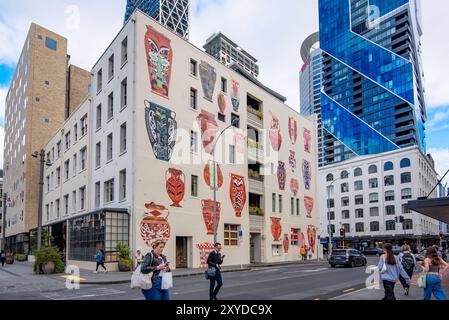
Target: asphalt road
{"x": 294, "y": 282}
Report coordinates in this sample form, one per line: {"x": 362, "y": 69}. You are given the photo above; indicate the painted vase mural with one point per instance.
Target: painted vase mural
{"x": 308, "y": 202}
{"x": 238, "y": 193}
{"x": 276, "y": 228}
{"x": 286, "y": 243}
{"x": 162, "y": 130}
{"x": 155, "y": 225}
{"x": 307, "y": 138}
{"x": 205, "y": 249}
{"x": 159, "y": 58}
{"x": 292, "y": 160}
{"x": 307, "y": 174}
{"x": 303, "y": 240}
{"x": 207, "y": 176}
{"x": 239, "y": 141}
{"x": 311, "y": 235}
{"x": 208, "y": 215}
{"x": 282, "y": 175}
{"x": 294, "y": 186}
{"x": 209, "y": 130}
{"x": 293, "y": 129}
{"x": 175, "y": 185}
{"x": 235, "y": 99}
{"x": 221, "y": 102}
{"x": 208, "y": 77}
{"x": 275, "y": 133}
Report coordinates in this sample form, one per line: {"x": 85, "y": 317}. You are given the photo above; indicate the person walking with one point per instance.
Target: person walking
{"x": 303, "y": 253}
{"x": 158, "y": 264}
{"x": 139, "y": 258}
{"x": 391, "y": 269}
{"x": 408, "y": 261}
{"x": 310, "y": 254}
{"x": 100, "y": 258}
{"x": 2, "y": 257}
{"x": 435, "y": 268}
{"x": 215, "y": 260}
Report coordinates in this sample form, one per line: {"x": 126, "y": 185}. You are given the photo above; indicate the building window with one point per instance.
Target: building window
{"x": 390, "y": 210}
{"x": 231, "y": 234}
{"x": 330, "y": 203}
{"x": 330, "y": 190}
{"x": 66, "y": 170}
{"x": 345, "y": 201}
{"x": 75, "y": 164}
{"x": 97, "y": 195}
{"x": 83, "y": 156}
{"x": 358, "y": 172}
{"x": 374, "y": 226}
{"x": 389, "y": 196}
{"x": 390, "y": 225}
{"x": 359, "y": 227}
{"x": 389, "y": 181}
{"x": 273, "y": 202}
{"x": 124, "y": 94}
{"x": 110, "y": 106}
{"x": 406, "y": 177}
{"x": 99, "y": 117}
{"x": 193, "y": 68}
{"x": 280, "y": 203}
{"x": 406, "y": 193}
{"x": 331, "y": 215}
{"x": 359, "y": 213}
{"x": 98, "y": 155}
{"x": 374, "y": 198}
{"x": 58, "y": 176}
{"x": 235, "y": 120}
{"x": 330, "y": 177}
{"x": 58, "y": 149}
{"x": 193, "y": 141}
{"x": 344, "y": 187}
{"x": 51, "y": 43}
{"x": 297, "y": 207}
{"x": 347, "y": 227}
{"x": 221, "y": 117}
{"x": 344, "y": 175}
{"x": 345, "y": 214}
{"x": 84, "y": 125}
{"x": 405, "y": 210}
{"x": 231, "y": 154}
{"x": 82, "y": 192}
{"x": 99, "y": 80}
{"x": 123, "y": 138}
{"x": 74, "y": 201}
{"x": 405, "y": 163}
{"x": 358, "y": 200}
{"x": 295, "y": 237}
{"x": 372, "y": 169}
{"x": 48, "y": 183}
{"x": 124, "y": 51}
{"x": 122, "y": 182}
{"x": 109, "y": 147}
{"x": 47, "y": 212}
{"x": 358, "y": 185}
{"x": 109, "y": 191}
{"x": 66, "y": 204}
{"x": 193, "y": 98}
{"x": 388, "y": 166}
{"x": 194, "y": 186}
{"x": 75, "y": 132}
{"x": 224, "y": 85}
{"x": 292, "y": 206}
{"x": 67, "y": 141}
{"x": 111, "y": 67}
{"x": 373, "y": 183}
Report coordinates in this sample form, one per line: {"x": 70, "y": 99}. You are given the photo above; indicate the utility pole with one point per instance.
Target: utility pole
{"x": 4, "y": 222}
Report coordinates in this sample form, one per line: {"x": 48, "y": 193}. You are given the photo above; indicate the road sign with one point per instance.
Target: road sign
{"x": 319, "y": 237}
{"x": 240, "y": 233}
{"x": 323, "y": 241}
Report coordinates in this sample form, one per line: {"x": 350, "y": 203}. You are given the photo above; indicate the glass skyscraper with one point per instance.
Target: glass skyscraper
{"x": 372, "y": 79}
{"x": 173, "y": 14}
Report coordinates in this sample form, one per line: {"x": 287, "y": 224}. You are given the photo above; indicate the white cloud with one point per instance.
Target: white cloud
{"x": 440, "y": 120}
{"x": 441, "y": 157}
{"x": 2, "y": 138}
{"x": 3, "y": 93}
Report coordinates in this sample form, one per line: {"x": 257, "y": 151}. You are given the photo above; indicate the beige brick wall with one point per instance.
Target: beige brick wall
{"x": 78, "y": 88}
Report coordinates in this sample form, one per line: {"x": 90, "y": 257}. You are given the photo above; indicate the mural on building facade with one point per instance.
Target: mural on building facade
{"x": 162, "y": 130}
{"x": 154, "y": 225}
{"x": 208, "y": 214}
{"x": 308, "y": 202}
{"x": 235, "y": 99}
{"x": 303, "y": 240}
{"x": 218, "y": 176}
{"x": 159, "y": 58}
{"x": 275, "y": 133}
{"x": 222, "y": 102}
{"x": 175, "y": 185}
{"x": 205, "y": 249}
{"x": 238, "y": 193}
{"x": 282, "y": 175}
{"x": 208, "y": 77}
{"x": 294, "y": 186}
{"x": 286, "y": 243}
{"x": 311, "y": 236}
{"x": 276, "y": 228}
{"x": 293, "y": 130}
{"x": 307, "y": 135}
{"x": 292, "y": 160}
{"x": 209, "y": 130}
{"x": 239, "y": 141}
{"x": 307, "y": 174}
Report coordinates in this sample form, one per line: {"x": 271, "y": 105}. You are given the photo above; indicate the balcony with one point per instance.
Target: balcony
{"x": 255, "y": 150}
{"x": 256, "y": 211}
{"x": 255, "y": 117}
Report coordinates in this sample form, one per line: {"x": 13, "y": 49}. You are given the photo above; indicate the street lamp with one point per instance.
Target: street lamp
{"x": 43, "y": 163}
{"x": 4, "y": 222}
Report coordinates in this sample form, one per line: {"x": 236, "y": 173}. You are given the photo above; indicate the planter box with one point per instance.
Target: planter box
{"x": 31, "y": 259}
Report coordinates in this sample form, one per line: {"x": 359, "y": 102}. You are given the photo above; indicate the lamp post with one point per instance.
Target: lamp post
{"x": 4, "y": 222}
{"x": 43, "y": 163}
{"x": 329, "y": 230}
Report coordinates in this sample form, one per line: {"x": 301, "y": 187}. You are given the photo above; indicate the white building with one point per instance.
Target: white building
{"x": 367, "y": 196}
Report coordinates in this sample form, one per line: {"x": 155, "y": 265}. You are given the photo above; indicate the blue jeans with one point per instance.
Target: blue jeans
{"x": 213, "y": 291}
{"x": 433, "y": 285}
{"x": 156, "y": 293}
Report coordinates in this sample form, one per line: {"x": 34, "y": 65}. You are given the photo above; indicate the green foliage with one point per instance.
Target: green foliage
{"x": 127, "y": 262}
{"x": 46, "y": 255}
{"x": 59, "y": 266}
{"x": 256, "y": 211}
{"x": 123, "y": 250}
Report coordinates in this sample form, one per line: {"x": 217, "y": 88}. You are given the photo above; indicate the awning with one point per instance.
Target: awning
{"x": 434, "y": 208}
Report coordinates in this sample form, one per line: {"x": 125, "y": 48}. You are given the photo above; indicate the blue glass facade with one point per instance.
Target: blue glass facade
{"x": 150, "y": 7}
{"x": 372, "y": 97}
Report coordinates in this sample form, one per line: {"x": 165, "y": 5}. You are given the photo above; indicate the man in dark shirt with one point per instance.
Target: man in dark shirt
{"x": 215, "y": 260}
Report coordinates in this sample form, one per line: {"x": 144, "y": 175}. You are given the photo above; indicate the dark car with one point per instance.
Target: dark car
{"x": 347, "y": 257}
{"x": 397, "y": 250}
{"x": 372, "y": 251}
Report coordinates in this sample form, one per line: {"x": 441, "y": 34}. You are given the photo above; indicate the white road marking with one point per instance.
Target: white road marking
{"x": 306, "y": 271}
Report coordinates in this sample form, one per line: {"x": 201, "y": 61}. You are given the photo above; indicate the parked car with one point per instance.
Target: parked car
{"x": 372, "y": 251}
{"x": 397, "y": 250}
{"x": 347, "y": 257}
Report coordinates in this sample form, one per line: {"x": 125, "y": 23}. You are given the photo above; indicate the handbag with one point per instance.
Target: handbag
{"x": 140, "y": 280}
{"x": 167, "y": 281}
{"x": 211, "y": 272}
{"x": 422, "y": 280}
{"x": 384, "y": 268}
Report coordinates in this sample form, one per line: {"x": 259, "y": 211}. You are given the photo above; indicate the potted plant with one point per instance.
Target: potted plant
{"x": 20, "y": 257}
{"x": 124, "y": 257}
{"x": 9, "y": 258}
{"x": 48, "y": 261}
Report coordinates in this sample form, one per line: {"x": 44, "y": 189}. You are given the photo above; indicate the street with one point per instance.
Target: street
{"x": 292, "y": 282}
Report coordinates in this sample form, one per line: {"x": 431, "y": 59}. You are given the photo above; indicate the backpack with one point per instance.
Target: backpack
{"x": 408, "y": 262}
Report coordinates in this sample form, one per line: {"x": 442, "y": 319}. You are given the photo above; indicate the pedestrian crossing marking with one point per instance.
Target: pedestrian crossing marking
{"x": 73, "y": 278}
{"x": 348, "y": 290}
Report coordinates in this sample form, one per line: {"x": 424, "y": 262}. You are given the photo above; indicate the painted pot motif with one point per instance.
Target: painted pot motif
{"x": 239, "y": 141}
{"x": 208, "y": 77}
{"x": 235, "y": 99}
{"x": 175, "y": 185}
{"x": 303, "y": 240}
{"x": 293, "y": 129}
{"x": 282, "y": 175}
{"x": 207, "y": 178}
{"x": 221, "y": 102}
{"x": 276, "y": 228}
{"x": 307, "y": 174}
{"x": 159, "y": 58}
{"x": 292, "y": 160}
{"x": 155, "y": 225}
{"x": 238, "y": 193}
{"x": 286, "y": 243}
{"x": 307, "y": 138}
{"x": 275, "y": 133}
{"x": 308, "y": 202}
{"x": 294, "y": 186}
{"x": 311, "y": 235}
{"x": 162, "y": 129}
{"x": 208, "y": 215}
{"x": 209, "y": 130}
{"x": 205, "y": 249}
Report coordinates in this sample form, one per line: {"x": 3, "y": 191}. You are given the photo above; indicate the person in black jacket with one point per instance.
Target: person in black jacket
{"x": 215, "y": 260}
{"x": 156, "y": 262}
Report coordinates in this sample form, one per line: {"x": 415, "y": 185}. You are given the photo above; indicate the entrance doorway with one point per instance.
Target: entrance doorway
{"x": 255, "y": 254}
{"x": 182, "y": 252}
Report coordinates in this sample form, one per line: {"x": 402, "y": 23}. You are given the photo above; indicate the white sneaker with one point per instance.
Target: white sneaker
{"x": 105, "y": 271}
{"x": 95, "y": 271}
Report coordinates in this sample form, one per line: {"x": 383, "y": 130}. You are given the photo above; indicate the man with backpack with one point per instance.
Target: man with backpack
{"x": 408, "y": 261}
